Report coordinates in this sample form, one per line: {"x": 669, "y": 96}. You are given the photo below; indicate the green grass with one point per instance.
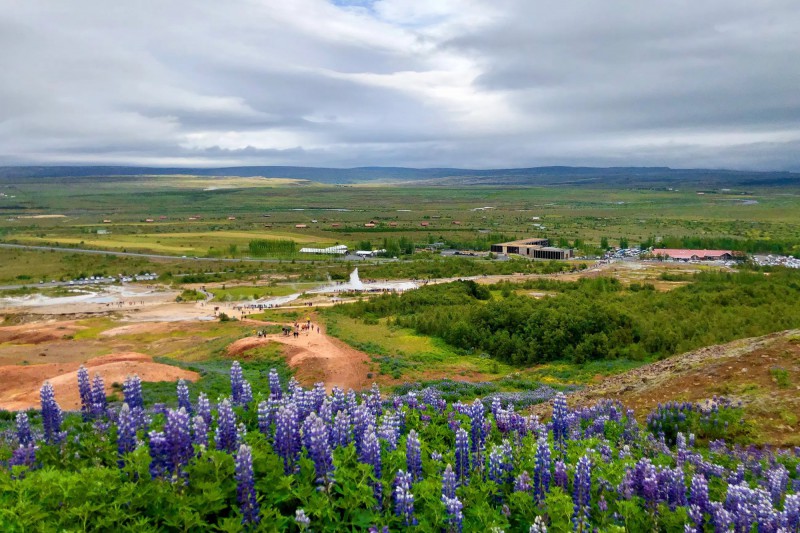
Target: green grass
{"x": 566, "y": 213}
{"x": 275, "y": 315}
{"x": 401, "y": 353}
{"x": 781, "y": 377}
{"x": 93, "y": 328}
{"x": 569, "y": 373}
{"x": 215, "y": 375}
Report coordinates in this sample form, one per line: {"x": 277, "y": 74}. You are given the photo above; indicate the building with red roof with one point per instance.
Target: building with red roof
{"x": 694, "y": 255}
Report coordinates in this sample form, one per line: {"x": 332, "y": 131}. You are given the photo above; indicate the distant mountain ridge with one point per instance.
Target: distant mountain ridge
{"x": 542, "y": 176}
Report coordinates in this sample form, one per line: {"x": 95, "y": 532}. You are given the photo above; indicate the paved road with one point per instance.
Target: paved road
{"x": 148, "y": 256}
{"x": 183, "y": 257}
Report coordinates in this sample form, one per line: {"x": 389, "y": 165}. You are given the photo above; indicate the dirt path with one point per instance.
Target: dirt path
{"x": 316, "y": 357}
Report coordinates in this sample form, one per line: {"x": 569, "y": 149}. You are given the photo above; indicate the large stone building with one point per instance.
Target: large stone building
{"x": 533, "y": 248}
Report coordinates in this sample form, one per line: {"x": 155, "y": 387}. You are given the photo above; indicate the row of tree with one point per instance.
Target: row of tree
{"x": 595, "y": 319}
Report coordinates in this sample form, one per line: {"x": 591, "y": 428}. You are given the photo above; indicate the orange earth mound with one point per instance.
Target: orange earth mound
{"x": 316, "y": 357}
{"x": 38, "y": 333}
{"x": 19, "y": 385}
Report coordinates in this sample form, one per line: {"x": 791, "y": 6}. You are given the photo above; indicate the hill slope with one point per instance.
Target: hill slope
{"x": 761, "y": 372}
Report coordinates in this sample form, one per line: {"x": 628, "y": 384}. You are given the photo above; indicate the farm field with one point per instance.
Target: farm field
{"x": 232, "y": 216}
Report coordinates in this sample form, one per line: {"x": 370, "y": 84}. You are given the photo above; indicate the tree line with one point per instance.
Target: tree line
{"x": 594, "y": 318}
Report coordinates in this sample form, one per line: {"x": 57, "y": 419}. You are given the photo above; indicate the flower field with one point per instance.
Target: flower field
{"x": 291, "y": 459}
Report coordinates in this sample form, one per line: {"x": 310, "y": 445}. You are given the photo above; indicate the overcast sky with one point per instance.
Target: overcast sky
{"x": 463, "y": 83}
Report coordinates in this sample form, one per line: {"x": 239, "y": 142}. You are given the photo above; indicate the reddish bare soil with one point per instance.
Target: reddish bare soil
{"x": 19, "y": 385}
{"x": 316, "y": 357}
{"x": 38, "y": 332}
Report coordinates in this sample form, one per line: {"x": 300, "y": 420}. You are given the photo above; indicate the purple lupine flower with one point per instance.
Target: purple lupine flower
{"x": 227, "y": 436}
{"x": 523, "y": 482}
{"x": 404, "y": 499}
{"x": 698, "y": 497}
{"x": 292, "y": 388}
{"x": 236, "y": 383}
{"x": 275, "y": 390}
{"x": 371, "y": 455}
{"x": 85, "y": 392}
{"x": 199, "y": 431}
{"x": 52, "y": 416}
{"x": 183, "y": 397}
{"x": 352, "y": 400}
{"x": 24, "y": 434}
{"x": 697, "y": 519}
{"x": 650, "y": 489}
{"x": 362, "y": 419}
{"x": 560, "y": 423}
{"x": 388, "y": 430}
{"x": 673, "y": 484}
{"x": 777, "y": 482}
{"x": 538, "y": 526}
{"x": 414, "y": 455}
{"x": 582, "y": 493}
{"x": 245, "y": 487}
{"x": 204, "y": 408}
{"x": 265, "y": 416}
{"x": 452, "y": 422}
{"x": 159, "y": 454}
{"x": 301, "y": 519}
{"x": 305, "y": 403}
{"x": 326, "y": 412}
{"x": 338, "y": 400}
{"x": 462, "y": 456}
{"x": 287, "y": 436}
{"x": 791, "y": 511}
{"x": 126, "y": 432}
{"x": 741, "y": 504}
{"x": 23, "y": 456}
{"x": 602, "y": 504}
{"x": 449, "y": 482}
{"x": 455, "y": 518}
{"x": 341, "y": 433}
{"x": 501, "y": 463}
{"x": 171, "y": 449}
{"x": 720, "y": 518}
{"x": 373, "y": 401}
{"x": 247, "y": 394}
{"x": 132, "y": 392}
{"x": 477, "y": 430}
{"x": 98, "y": 396}
{"x": 496, "y": 467}
{"x": 318, "y": 394}
{"x": 436, "y": 456}
{"x": 606, "y": 453}
{"x": 412, "y": 401}
{"x": 560, "y": 477}
{"x": 624, "y": 452}
{"x": 315, "y": 437}
{"x": 737, "y": 478}
{"x": 541, "y": 471}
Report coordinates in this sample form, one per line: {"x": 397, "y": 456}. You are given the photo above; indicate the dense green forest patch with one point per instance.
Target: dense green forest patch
{"x": 594, "y": 319}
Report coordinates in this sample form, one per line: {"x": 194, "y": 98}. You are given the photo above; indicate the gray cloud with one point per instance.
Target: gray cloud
{"x": 469, "y": 83}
